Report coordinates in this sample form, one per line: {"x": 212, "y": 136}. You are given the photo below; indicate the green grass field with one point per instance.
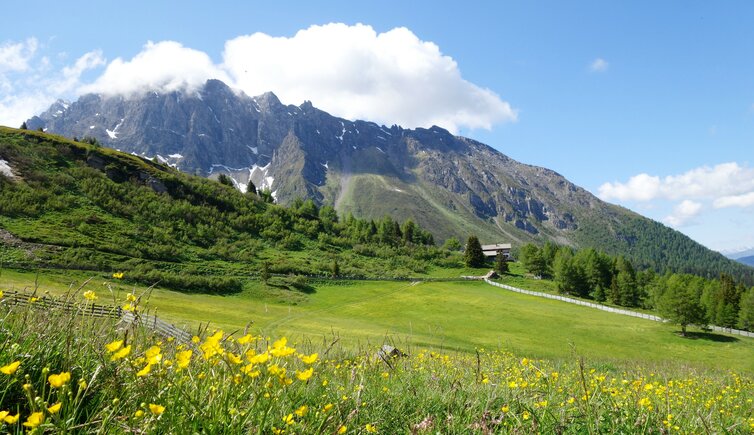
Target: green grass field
{"x": 460, "y": 316}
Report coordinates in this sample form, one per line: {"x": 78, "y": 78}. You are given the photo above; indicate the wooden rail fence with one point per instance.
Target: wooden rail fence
{"x": 126, "y": 318}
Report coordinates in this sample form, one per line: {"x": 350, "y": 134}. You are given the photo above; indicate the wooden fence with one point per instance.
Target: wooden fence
{"x": 127, "y": 318}
{"x": 609, "y": 309}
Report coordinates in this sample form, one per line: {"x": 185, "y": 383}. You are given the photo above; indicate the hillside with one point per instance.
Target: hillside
{"x": 749, "y": 261}
{"x": 452, "y": 185}
{"x": 78, "y": 205}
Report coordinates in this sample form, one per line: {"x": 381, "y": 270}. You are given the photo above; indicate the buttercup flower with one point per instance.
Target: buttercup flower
{"x": 10, "y": 368}
{"x": 156, "y": 409}
{"x": 60, "y": 379}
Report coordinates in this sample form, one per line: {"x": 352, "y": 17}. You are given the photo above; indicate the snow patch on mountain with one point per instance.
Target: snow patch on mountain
{"x": 5, "y": 169}
{"x": 114, "y": 133}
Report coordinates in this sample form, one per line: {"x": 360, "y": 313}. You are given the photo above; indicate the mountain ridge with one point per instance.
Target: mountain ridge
{"x": 452, "y": 185}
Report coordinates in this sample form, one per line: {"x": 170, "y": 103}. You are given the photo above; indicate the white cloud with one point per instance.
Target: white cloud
{"x": 725, "y": 179}
{"x": 599, "y": 65}
{"x": 683, "y": 212}
{"x": 744, "y": 200}
{"x": 29, "y": 83}
{"x": 15, "y": 56}
{"x": 350, "y": 71}
{"x": 163, "y": 66}
{"x": 355, "y": 72}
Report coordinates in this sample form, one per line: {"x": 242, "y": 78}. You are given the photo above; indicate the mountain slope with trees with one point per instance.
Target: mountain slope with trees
{"x": 81, "y": 205}
{"x": 452, "y": 185}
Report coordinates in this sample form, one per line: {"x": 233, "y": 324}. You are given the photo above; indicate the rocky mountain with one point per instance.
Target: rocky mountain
{"x": 452, "y": 185}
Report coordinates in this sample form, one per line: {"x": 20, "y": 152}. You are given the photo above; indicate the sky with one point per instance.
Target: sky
{"x": 646, "y": 104}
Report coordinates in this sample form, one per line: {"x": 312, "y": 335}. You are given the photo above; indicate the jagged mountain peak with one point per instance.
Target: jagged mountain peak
{"x": 269, "y": 102}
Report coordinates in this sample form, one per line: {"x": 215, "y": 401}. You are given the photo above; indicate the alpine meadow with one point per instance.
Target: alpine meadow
{"x": 232, "y": 219}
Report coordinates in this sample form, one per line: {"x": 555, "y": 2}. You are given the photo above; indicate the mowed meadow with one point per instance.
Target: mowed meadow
{"x": 447, "y": 316}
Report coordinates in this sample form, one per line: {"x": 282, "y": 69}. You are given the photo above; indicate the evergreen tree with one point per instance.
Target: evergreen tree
{"x": 335, "y": 269}
{"x": 501, "y": 263}
{"x": 534, "y": 261}
{"x": 473, "y": 256}
{"x": 568, "y": 273}
{"x": 625, "y": 291}
{"x": 746, "y": 311}
{"x": 409, "y": 232}
{"x": 23, "y": 126}
{"x": 226, "y": 180}
{"x": 251, "y": 189}
{"x": 680, "y": 303}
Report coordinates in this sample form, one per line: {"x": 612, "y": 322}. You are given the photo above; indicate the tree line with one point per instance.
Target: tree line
{"x": 683, "y": 298}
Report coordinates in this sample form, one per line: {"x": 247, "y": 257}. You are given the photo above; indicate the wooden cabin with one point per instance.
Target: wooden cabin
{"x": 491, "y": 251}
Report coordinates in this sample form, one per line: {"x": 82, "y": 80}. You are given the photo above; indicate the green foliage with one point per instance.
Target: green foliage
{"x": 473, "y": 255}
{"x": 680, "y": 301}
{"x": 87, "y": 207}
{"x": 534, "y": 260}
{"x": 224, "y": 179}
{"x": 501, "y": 263}
{"x": 746, "y": 313}
{"x": 452, "y": 244}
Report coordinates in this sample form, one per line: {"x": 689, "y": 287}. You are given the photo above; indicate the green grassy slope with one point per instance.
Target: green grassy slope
{"x": 451, "y": 316}
{"x": 77, "y": 205}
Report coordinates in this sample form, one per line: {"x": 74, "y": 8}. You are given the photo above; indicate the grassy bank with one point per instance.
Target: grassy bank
{"x": 67, "y": 372}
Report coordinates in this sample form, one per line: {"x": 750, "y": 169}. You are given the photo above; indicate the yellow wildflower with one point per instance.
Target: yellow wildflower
{"x": 54, "y": 409}
{"x": 233, "y": 358}
{"x": 156, "y": 409}
{"x": 183, "y": 358}
{"x": 33, "y": 299}
{"x": 505, "y": 408}
{"x": 139, "y": 414}
{"x": 90, "y": 295}
{"x": 34, "y": 420}
{"x": 145, "y": 371}
{"x": 525, "y": 362}
{"x": 526, "y": 415}
{"x": 122, "y": 353}
{"x": 212, "y": 346}
{"x": 10, "y": 368}
{"x": 118, "y": 275}
{"x": 328, "y": 407}
{"x": 305, "y": 375}
{"x": 302, "y": 410}
{"x": 288, "y": 419}
{"x": 128, "y": 307}
{"x": 342, "y": 429}
{"x": 57, "y": 381}
{"x": 309, "y": 359}
{"x": 11, "y": 419}
{"x": 246, "y": 339}
{"x": 114, "y": 345}
{"x": 280, "y": 348}
{"x": 370, "y": 428}
{"x": 644, "y": 402}
{"x": 258, "y": 359}
{"x": 153, "y": 355}
{"x": 1, "y": 296}
{"x": 195, "y": 339}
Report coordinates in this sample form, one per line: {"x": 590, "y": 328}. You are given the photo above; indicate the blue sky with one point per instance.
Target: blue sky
{"x": 601, "y": 92}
